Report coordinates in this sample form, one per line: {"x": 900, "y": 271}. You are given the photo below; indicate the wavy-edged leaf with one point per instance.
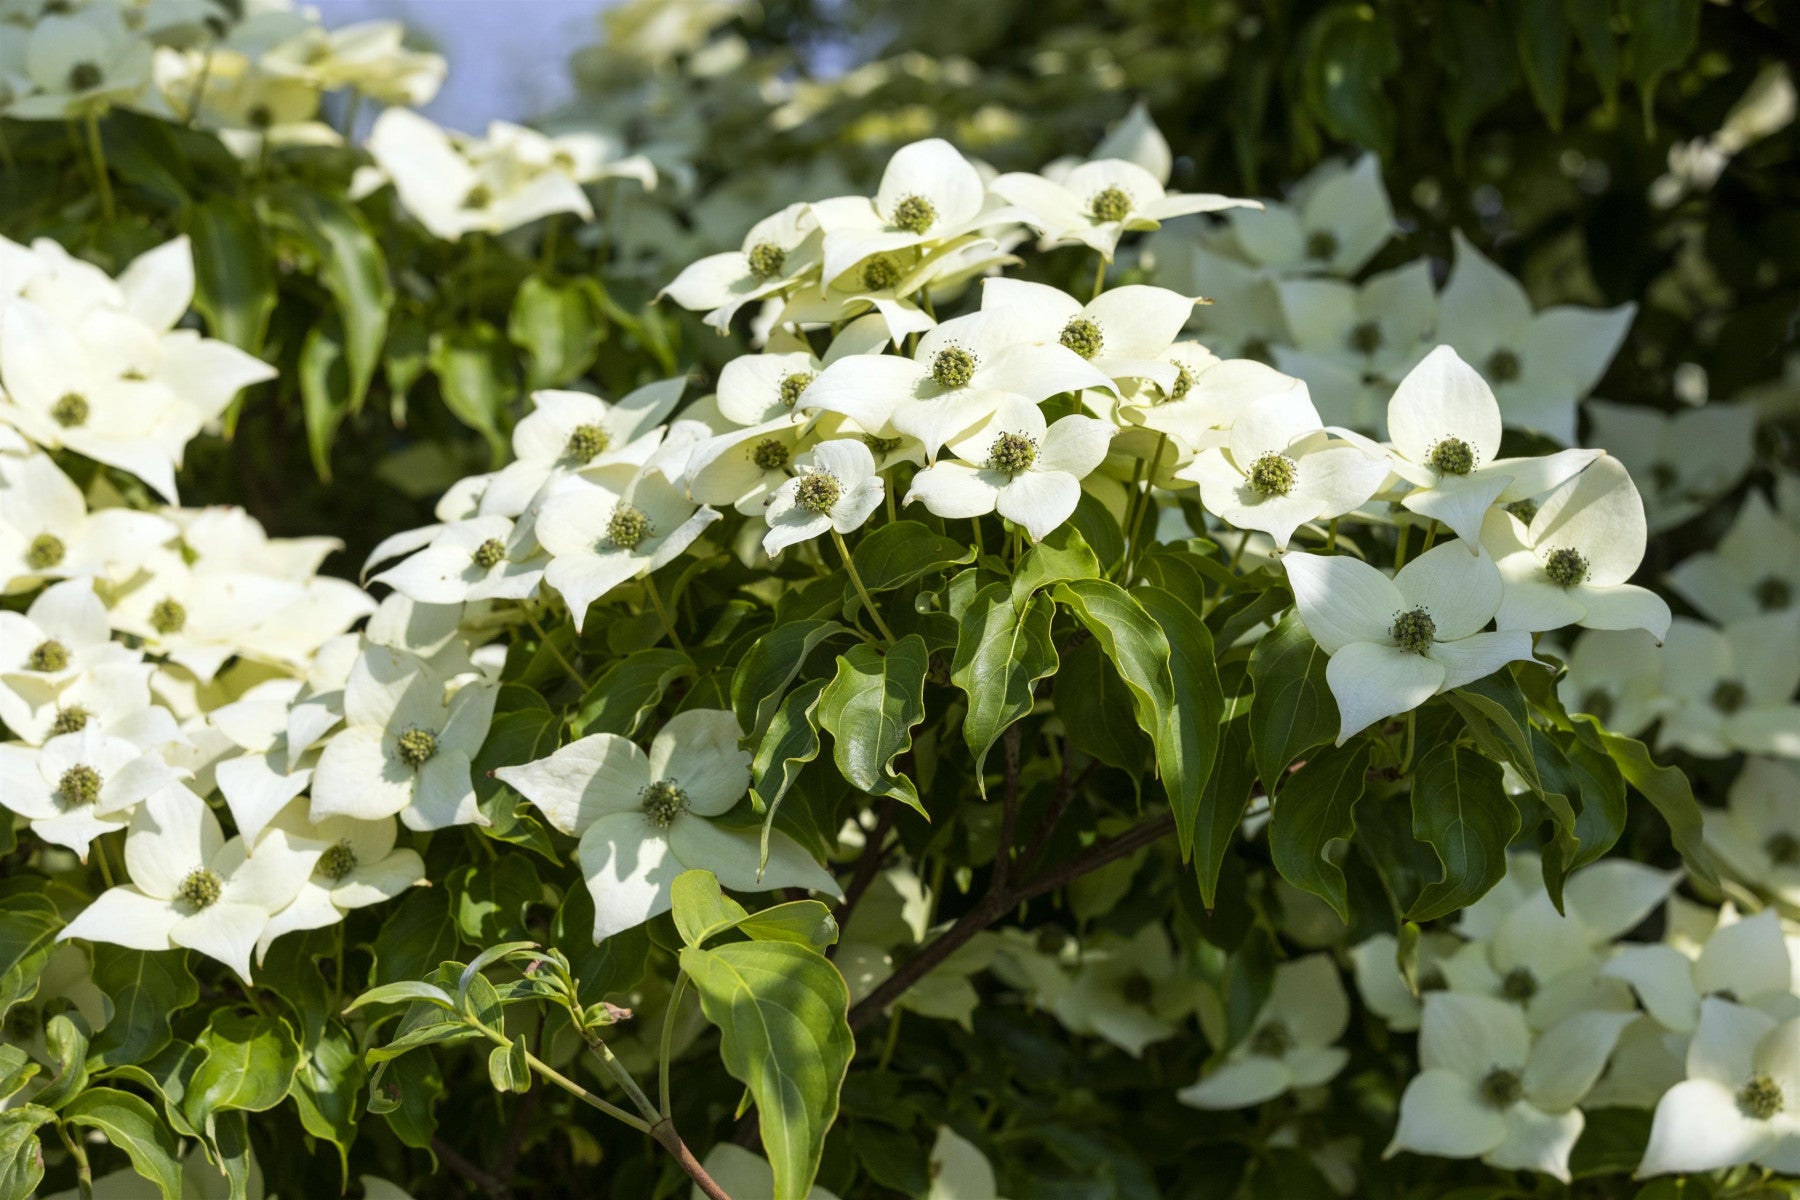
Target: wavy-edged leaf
{"x": 1292, "y": 710}
{"x": 1316, "y": 811}
{"x": 1461, "y": 809}
{"x": 869, "y": 708}
{"x": 131, "y": 1125}
{"x": 1001, "y": 653}
{"x": 1191, "y": 724}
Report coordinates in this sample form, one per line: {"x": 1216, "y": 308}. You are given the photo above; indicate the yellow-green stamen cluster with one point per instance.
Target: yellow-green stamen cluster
{"x": 487, "y": 556}
{"x": 817, "y": 491}
{"x": 952, "y": 367}
{"x": 1012, "y": 454}
{"x": 1503, "y": 366}
{"x": 478, "y": 197}
{"x": 78, "y": 787}
{"x": 1783, "y": 848}
{"x": 201, "y": 888}
{"x": 880, "y": 273}
{"x": 1566, "y": 566}
{"x": 1365, "y": 337}
{"x": 1501, "y": 1088}
{"x": 70, "y": 411}
{"x": 914, "y": 214}
{"x": 1184, "y": 382}
{"x": 84, "y": 75}
{"x": 628, "y": 526}
{"x": 587, "y": 442}
{"x": 416, "y": 747}
{"x": 1273, "y": 475}
{"x": 766, "y": 260}
{"x": 794, "y": 386}
{"x": 770, "y": 454}
{"x": 1322, "y": 245}
{"x": 1272, "y": 1040}
{"x": 46, "y": 551}
{"x": 881, "y": 447}
{"x": 72, "y": 719}
{"x": 1761, "y": 1098}
{"x": 1519, "y": 984}
{"x": 1414, "y": 631}
{"x": 663, "y": 802}
{"x": 1729, "y": 696}
{"x": 1110, "y": 204}
{"x": 49, "y": 655}
{"x": 169, "y": 616}
{"x": 1082, "y": 336}
{"x": 338, "y": 861}
{"x": 1773, "y": 593}
{"x": 1526, "y": 510}
{"x": 1451, "y": 456}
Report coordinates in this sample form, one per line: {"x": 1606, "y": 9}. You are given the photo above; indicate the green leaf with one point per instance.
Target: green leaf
{"x": 899, "y": 552}
{"x": 1349, "y": 53}
{"x": 249, "y": 1065}
{"x": 1592, "y": 22}
{"x": 625, "y": 696}
{"x": 791, "y": 742}
{"x": 1316, "y": 810}
{"x": 28, "y": 926}
{"x": 416, "y": 937}
{"x": 613, "y": 965}
{"x": 131, "y": 1125}
{"x": 21, "y": 1155}
{"x": 1222, "y": 807}
{"x": 514, "y": 737}
{"x": 324, "y": 391}
{"x": 16, "y": 1069}
{"x": 67, "y": 1044}
{"x": 1666, "y": 788}
{"x": 352, "y": 267}
{"x": 488, "y": 900}
{"x": 508, "y": 1068}
{"x": 475, "y": 373}
{"x": 781, "y": 1010}
{"x": 1460, "y": 807}
{"x": 701, "y": 907}
{"x": 1060, "y": 557}
{"x": 555, "y": 323}
{"x": 1191, "y": 723}
{"x": 234, "y": 272}
{"x": 1094, "y": 707}
{"x": 1542, "y": 37}
{"x": 805, "y": 922}
{"x": 1001, "y": 654}
{"x": 1292, "y": 710}
{"x": 1663, "y": 34}
{"x": 763, "y": 675}
{"x": 1479, "y": 78}
{"x": 870, "y": 708}
{"x": 406, "y": 991}
{"x": 1134, "y": 643}
{"x": 328, "y": 1089}
{"x": 1094, "y": 525}
{"x": 405, "y": 1092}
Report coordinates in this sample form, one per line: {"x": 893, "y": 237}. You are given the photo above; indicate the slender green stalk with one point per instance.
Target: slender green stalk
{"x": 1100, "y": 275}
{"x": 668, "y": 1042}
{"x": 656, "y": 602}
{"x": 100, "y": 858}
{"x": 855, "y": 578}
{"x": 1400, "y": 547}
{"x": 565, "y": 1083}
{"x": 1237, "y": 555}
{"x": 621, "y": 1076}
{"x": 1331, "y": 536}
{"x": 1430, "y": 536}
{"x": 546, "y": 643}
{"x": 102, "y": 181}
{"x": 84, "y": 1174}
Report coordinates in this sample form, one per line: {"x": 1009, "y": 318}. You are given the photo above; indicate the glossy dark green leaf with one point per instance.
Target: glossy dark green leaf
{"x": 1316, "y": 812}
{"x": 1222, "y": 806}
{"x": 763, "y": 675}
{"x": 1135, "y": 645}
{"x": 416, "y": 936}
{"x": 1061, "y": 556}
{"x": 147, "y": 989}
{"x": 1666, "y": 788}
{"x": 488, "y": 900}
{"x": 1191, "y": 724}
{"x": 893, "y": 555}
{"x": 1541, "y": 34}
{"x": 248, "y": 1063}
{"x": 1663, "y": 35}
{"x": 234, "y": 271}
{"x": 1349, "y": 53}
{"x": 1001, "y": 653}
{"x": 791, "y": 742}
{"x": 1292, "y": 710}
{"x": 1479, "y": 76}
{"x": 624, "y": 697}
{"x": 1461, "y": 809}
{"x": 324, "y": 376}
{"x": 870, "y": 708}
{"x": 350, "y": 263}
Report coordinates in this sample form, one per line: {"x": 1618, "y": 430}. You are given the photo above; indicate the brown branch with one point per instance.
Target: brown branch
{"x": 664, "y": 1132}
{"x": 470, "y": 1170}
{"x": 867, "y": 864}
{"x": 1009, "y": 810}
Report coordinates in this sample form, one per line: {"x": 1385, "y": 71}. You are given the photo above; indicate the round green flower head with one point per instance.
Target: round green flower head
{"x": 416, "y": 747}
{"x": 72, "y": 719}
{"x": 1502, "y": 1088}
{"x": 1566, "y": 566}
{"x": 70, "y": 411}
{"x": 1111, "y": 204}
{"x": 628, "y": 526}
{"x": 880, "y": 273}
{"x": 1321, "y": 245}
{"x": 794, "y": 386}
{"x": 766, "y": 260}
{"x": 78, "y": 787}
{"x": 201, "y": 889}
{"x": 1365, "y": 338}
{"x": 84, "y": 75}
{"x": 952, "y": 367}
{"x": 1272, "y": 1040}
{"x": 663, "y": 802}
{"x": 49, "y": 655}
{"x": 1503, "y": 366}
{"x": 1184, "y": 382}
{"x": 1783, "y": 849}
{"x": 1519, "y": 984}
{"x": 1012, "y": 454}
{"x": 478, "y": 197}
{"x": 1729, "y": 696}
{"x": 1082, "y": 336}
{"x": 587, "y": 442}
{"x": 46, "y": 551}
{"x": 817, "y": 491}
{"x": 1273, "y": 475}
{"x": 169, "y": 616}
{"x": 487, "y": 556}
{"x": 770, "y": 454}
{"x": 1414, "y": 631}
{"x": 1774, "y": 594}
{"x": 914, "y": 214}
{"x": 337, "y": 861}
{"x": 1761, "y": 1098}
{"x": 1526, "y": 510}
{"x": 1451, "y": 456}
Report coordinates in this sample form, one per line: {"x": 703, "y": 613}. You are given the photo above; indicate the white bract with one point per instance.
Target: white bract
{"x": 599, "y": 538}
{"x": 1125, "y": 332}
{"x": 778, "y": 252}
{"x": 1738, "y": 1102}
{"x": 1682, "y": 460}
{"x": 1130, "y": 991}
{"x": 573, "y": 431}
{"x": 1352, "y": 343}
{"x": 79, "y": 785}
{"x": 355, "y": 864}
{"x": 1334, "y": 222}
{"x": 929, "y": 194}
{"x": 1732, "y": 688}
{"x": 1747, "y": 960}
{"x": 835, "y": 488}
{"x": 1755, "y": 568}
{"x": 1290, "y": 1044}
{"x": 1615, "y": 676}
{"x": 1098, "y": 202}
{"x": 483, "y": 558}
{"x": 1757, "y": 834}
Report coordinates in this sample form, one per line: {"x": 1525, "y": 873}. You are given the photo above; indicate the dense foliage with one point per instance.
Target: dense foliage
{"x": 852, "y": 613}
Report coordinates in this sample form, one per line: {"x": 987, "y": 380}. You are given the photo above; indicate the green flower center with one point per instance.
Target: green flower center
{"x": 880, "y": 273}
{"x": 260, "y": 117}
{"x": 70, "y": 410}
{"x": 46, "y": 551}
{"x": 1503, "y": 366}
{"x": 72, "y": 719}
{"x": 416, "y": 747}
{"x": 1773, "y": 593}
{"x": 1272, "y": 1040}
{"x": 1566, "y": 567}
{"x": 794, "y": 386}
{"x": 1137, "y": 989}
{"x": 1597, "y": 703}
{"x": 1110, "y": 204}
{"x": 587, "y": 442}
{"x": 914, "y": 214}
{"x": 201, "y": 889}
{"x": 1761, "y": 1098}
{"x": 1414, "y": 631}
{"x": 1519, "y": 985}
{"x": 1729, "y": 696}
{"x": 337, "y": 861}
{"x": 881, "y": 447}
{"x": 1322, "y": 245}
{"x": 1082, "y": 336}
{"x": 1012, "y": 454}
{"x": 1526, "y": 510}
{"x": 766, "y": 260}
{"x": 817, "y": 491}
{"x": 1272, "y": 475}
{"x": 770, "y": 454}
{"x": 663, "y": 802}
{"x": 628, "y": 526}
{"x": 952, "y": 367}
{"x": 478, "y": 197}
{"x": 1365, "y": 338}
{"x": 1501, "y": 1088}
{"x": 169, "y": 616}
{"x": 84, "y": 75}
{"x": 487, "y": 556}
{"x": 1451, "y": 456}
{"x": 78, "y": 787}
{"x": 49, "y": 655}
{"x": 1184, "y": 382}
{"x": 1783, "y": 849}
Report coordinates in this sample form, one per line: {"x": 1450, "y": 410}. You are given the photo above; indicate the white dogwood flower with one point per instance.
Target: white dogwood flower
{"x": 1485, "y": 1090}
{"x": 62, "y": 636}
{"x": 1334, "y": 221}
{"x": 1017, "y": 466}
{"x": 574, "y": 431}
{"x": 1740, "y": 1102}
{"x": 1098, "y": 202}
{"x": 1732, "y": 688}
{"x": 199, "y": 615}
{"x": 1131, "y": 992}
{"x": 79, "y": 785}
{"x": 1352, "y": 343}
{"x": 644, "y": 818}
{"x": 744, "y": 467}
{"x": 929, "y": 194}
{"x": 777, "y": 254}
{"x": 1615, "y": 676}
{"x": 1747, "y": 960}
{"x": 1212, "y": 394}
{"x": 835, "y": 487}
{"x": 483, "y": 558}
{"x": 1683, "y": 461}
{"x": 80, "y": 62}
{"x": 355, "y": 864}
{"x": 1125, "y": 332}
{"x": 1395, "y": 643}
{"x": 1757, "y": 833}
{"x": 1754, "y": 568}
{"x": 1385, "y": 990}
{"x": 1290, "y": 1044}
{"x": 1569, "y": 564}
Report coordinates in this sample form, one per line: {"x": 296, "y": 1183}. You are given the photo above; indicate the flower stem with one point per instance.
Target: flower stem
{"x": 102, "y": 181}
{"x": 1100, "y": 275}
{"x": 668, "y": 1040}
{"x": 1430, "y": 536}
{"x": 855, "y": 578}
{"x": 1400, "y": 547}
{"x": 546, "y": 643}
{"x": 656, "y": 602}
{"x": 1331, "y": 536}
{"x": 84, "y": 1174}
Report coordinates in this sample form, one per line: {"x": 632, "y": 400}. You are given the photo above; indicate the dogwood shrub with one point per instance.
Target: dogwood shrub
{"x": 966, "y": 683}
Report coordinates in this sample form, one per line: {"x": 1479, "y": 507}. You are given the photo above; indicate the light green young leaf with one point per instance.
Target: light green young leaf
{"x": 1001, "y": 653}
{"x": 249, "y": 1065}
{"x": 701, "y": 907}
{"x": 132, "y": 1125}
{"x": 555, "y": 323}
{"x": 67, "y": 1043}
{"x": 870, "y": 708}
{"x": 792, "y": 741}
{"x": 508, "y": 1068}
{"x": 21, "y": 1155}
